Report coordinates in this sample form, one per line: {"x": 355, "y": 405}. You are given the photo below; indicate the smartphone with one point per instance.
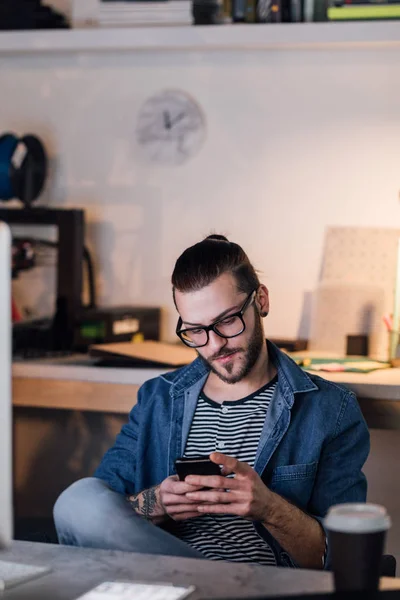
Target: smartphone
{"x": 199, "y": 465}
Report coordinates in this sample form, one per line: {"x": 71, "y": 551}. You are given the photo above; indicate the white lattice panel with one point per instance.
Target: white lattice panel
{"x": 356, "y": 289}
{"x": 360, "y": 255}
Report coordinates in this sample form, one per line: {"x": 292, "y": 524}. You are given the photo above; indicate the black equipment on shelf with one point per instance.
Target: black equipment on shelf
{"x": 74, "y": 326}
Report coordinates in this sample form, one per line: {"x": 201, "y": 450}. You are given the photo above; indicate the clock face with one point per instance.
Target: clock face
{"x": 170, "y": 128}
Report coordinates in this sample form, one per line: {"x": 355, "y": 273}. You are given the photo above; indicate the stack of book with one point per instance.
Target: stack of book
{"x": 106, "y": 13}
{"x": 115, "y": 14}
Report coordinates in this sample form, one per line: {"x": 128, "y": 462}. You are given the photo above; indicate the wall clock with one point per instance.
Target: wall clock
{"x": 170, "y": 128}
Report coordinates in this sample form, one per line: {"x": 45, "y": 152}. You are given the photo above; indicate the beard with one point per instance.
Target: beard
{"x": 251, "y": 355}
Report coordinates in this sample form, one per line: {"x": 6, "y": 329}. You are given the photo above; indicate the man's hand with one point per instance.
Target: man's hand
{"x": 173, "y": 495}
{"x": 165, "y": 500}
{"x": 244, "y": 495}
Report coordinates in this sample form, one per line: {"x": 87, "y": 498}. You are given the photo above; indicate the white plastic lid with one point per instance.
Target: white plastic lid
{"x": 357, "y": 518}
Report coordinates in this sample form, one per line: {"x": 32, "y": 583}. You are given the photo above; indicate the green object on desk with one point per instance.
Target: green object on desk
{"x": 363, "y": 12}
{"x": 360, "y": 364}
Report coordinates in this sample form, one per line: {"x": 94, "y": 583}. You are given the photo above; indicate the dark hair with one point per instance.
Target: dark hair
{"x": 202, "y": 263}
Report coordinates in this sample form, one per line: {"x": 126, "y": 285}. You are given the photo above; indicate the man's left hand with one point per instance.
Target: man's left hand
{"x": 244, "y": 494}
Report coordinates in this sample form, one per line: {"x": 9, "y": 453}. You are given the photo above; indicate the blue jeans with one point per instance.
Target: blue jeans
{"x": 90, "y": 514}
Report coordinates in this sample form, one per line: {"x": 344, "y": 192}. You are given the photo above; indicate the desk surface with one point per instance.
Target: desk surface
{"x": 378, "y": 385}
{"x": 82, "y": 368}
{"x": 76, "y": 570}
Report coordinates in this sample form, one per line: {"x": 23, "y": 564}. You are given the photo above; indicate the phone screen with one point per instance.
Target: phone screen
{"x": 201, "y": 465}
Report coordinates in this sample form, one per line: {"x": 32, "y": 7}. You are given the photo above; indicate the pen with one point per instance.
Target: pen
{"x": 387, "y": 319}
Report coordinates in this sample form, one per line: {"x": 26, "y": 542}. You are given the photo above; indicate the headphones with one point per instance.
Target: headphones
{"x": 23, "y": 167}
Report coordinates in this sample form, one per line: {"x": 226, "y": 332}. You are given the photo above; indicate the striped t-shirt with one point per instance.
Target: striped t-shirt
{"x": 233, "y": 428}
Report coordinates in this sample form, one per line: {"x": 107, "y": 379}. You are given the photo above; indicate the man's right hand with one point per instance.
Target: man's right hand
{"x": 168, "y": 499}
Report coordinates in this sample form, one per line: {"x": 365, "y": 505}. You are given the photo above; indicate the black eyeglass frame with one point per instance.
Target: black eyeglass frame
{"x": 207, "y": 328}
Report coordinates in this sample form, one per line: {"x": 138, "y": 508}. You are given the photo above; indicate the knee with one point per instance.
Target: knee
{"x": 90, "y": 514}
{"x": 75, "y": 504}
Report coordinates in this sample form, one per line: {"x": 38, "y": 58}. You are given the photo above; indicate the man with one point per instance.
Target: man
{"x": 290, "y": 444}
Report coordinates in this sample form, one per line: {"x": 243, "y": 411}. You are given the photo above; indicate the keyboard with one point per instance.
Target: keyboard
{"x": 12, "y": 574}
{"x": 126, "y": 590}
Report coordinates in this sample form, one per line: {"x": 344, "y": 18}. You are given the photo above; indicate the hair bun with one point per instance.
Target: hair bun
{"x": 217, "y": 237}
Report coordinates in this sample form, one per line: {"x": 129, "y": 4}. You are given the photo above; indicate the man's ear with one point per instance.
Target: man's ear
{"x": 262, "y": 301}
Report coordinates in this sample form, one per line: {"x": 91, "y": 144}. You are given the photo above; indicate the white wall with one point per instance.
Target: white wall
{"x": 297, "y": 141}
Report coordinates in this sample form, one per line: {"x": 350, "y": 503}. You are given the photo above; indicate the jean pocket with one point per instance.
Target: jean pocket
{"x": 302, "y": 471}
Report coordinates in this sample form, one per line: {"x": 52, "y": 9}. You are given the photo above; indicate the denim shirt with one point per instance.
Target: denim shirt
{"x": 311, "y": 451}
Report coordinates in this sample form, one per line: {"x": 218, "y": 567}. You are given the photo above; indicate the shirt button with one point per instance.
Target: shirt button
{"x": 220, "y": 444}
{"x": 225, "y": 410}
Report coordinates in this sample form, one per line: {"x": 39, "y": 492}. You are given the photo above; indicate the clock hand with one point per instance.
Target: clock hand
{"x": 167, "y": 120}
{"x": 177, "y": 118}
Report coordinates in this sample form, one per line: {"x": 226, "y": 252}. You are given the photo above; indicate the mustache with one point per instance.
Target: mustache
{"x": 223, "y": 353}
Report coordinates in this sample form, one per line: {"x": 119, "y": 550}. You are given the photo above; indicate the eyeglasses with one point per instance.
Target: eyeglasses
{"x": 228, "y": 327}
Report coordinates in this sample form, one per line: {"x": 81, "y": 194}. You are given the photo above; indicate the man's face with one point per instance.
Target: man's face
{"x": 231, "y": 359}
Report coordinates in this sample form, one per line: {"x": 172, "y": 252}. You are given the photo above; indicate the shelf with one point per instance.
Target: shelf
{"x": 226, "y": 37}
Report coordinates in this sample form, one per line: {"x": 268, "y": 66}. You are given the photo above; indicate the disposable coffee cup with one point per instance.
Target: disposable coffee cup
{"x": 356, "y": 538}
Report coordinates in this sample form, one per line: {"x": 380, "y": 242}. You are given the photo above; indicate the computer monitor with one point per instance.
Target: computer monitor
{"x": 6, "y": 513}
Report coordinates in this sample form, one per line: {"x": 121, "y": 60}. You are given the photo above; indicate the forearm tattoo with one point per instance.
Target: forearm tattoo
{"x": 147, "y": 505}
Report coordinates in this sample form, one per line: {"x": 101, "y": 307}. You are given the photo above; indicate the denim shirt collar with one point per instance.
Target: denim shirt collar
{"x": 191, "y": 375}
{"x": 291, "y": 379}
